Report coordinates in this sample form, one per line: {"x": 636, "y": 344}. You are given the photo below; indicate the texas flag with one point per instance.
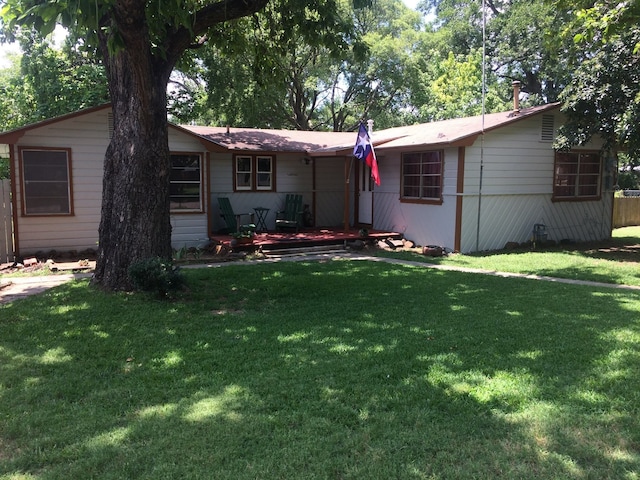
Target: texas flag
{"x": 364, "y": 152}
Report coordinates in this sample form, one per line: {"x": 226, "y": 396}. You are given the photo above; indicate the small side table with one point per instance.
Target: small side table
{"x": 261, "y": 215}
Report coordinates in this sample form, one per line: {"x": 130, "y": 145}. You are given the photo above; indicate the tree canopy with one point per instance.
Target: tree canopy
{"x": 356, "y": 71}
{"x": 45, "y": 82}
{"x": 604, "y": 95}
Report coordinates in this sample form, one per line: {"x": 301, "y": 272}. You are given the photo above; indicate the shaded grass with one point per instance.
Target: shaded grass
{"x": 615, "y": 261}
{"x": 323, "y": 370}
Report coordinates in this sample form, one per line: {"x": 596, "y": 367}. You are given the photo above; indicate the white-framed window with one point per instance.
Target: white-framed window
{"x": 185, "y": 191}
{"x": 577, "y": 176}
{"x": 253, "y": 173}
{"x": 264, "y": 173}
{"x": 46, "y": 181}
{"x": 422, "y": 177}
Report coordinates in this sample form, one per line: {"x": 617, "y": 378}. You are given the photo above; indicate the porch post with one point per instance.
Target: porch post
{"x": 347, "y": 171}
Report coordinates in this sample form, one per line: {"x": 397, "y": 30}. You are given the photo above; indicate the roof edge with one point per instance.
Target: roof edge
{"x": 11, "y": 136}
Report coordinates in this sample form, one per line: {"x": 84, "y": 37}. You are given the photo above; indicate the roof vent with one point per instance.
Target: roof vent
{"x": 548, "y": 124}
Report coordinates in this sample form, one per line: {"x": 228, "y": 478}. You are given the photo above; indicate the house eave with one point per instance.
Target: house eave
{"x": 11, "y": 137}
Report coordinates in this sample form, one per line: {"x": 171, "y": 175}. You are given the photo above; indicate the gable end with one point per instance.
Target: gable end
{"x": 546, "y": 132}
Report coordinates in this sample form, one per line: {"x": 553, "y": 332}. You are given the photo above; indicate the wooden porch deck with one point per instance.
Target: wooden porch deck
{"x": 307, "y": 238}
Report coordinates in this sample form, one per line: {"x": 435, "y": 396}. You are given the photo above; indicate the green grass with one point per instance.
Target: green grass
{"x": 615, "y": 261}
{"x": 337, "y": 370}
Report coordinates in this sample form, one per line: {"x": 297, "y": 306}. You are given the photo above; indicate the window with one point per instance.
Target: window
{"x": 185, "y": 192}
{"x": 577, "y": 175}
{"x": 422, "y": 177}
{"x": 253, "y": 173}
{"x": 46, "y": 181}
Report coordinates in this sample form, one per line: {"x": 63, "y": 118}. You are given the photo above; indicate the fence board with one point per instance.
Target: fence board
{"x": 6, "y": 223}
{"x": 626, "y": 211}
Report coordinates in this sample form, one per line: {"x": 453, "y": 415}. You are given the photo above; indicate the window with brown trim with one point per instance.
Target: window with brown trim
{"x": 422, "y": 176}
{"x": 253, "y": 173}
{"x": 577, "y": 175}
{"x": 46, "y": 181}
{"x": 185, "y": 190}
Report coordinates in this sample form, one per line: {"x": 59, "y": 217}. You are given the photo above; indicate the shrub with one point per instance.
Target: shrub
{"x": 629, "y": 180}
{"x": 156, "y": 275}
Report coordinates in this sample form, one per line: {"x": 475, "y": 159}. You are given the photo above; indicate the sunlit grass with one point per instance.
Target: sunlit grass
{"x": 616, "y": 261}
{"x": 323, "y": 370}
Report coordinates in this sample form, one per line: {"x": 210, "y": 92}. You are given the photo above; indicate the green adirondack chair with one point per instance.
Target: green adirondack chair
{"x": 234, "y": 220}
{"x": 291, "y": 216}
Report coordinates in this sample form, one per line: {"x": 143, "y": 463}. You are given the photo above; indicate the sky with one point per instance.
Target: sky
{"x": 8, "y": 49}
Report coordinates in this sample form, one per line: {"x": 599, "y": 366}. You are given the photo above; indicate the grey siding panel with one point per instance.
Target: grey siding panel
{"x": 517, "y": 186}
{"x": 188, "y": 230}
{"x": 510, "y": 218}
{"x": 424, "y": 224}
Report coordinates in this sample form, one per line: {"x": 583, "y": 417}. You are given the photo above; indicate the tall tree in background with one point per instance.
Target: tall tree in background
{"x": 257, "y": 75}
{"x": 358, "y": 70}
{"x": 604, "y": 96}
{"x": 45, "y": 82}
{"x": 453, "y": 88}
{"x": 141, "y": 42}
{"x": 377, "y": 84}
{"x": 522, "y": 43}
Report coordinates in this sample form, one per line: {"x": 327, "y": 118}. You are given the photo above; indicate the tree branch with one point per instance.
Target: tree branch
{"x": 209, "y": 15}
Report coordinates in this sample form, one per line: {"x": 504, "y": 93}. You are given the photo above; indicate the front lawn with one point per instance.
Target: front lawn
{"x": 613, "y": 261}
{"x": 336, "y": 370}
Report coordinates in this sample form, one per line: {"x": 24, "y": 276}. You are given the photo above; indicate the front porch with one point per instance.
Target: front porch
{"x": 310, "y": 237}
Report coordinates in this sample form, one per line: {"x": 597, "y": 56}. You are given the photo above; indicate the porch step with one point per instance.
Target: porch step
{"x": 301, "y": 251}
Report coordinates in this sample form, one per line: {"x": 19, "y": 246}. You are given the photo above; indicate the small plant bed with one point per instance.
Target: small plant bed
{"x": 48, "y": 267}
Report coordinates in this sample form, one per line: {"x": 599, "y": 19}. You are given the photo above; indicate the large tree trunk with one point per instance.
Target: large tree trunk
{"x": 135, "y": 222}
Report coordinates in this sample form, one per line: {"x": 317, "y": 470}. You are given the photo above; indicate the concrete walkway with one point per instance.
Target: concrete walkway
{"x": 14, "y": 288}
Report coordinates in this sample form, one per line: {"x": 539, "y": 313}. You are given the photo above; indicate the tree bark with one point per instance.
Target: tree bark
{"x": 135, "y": 222}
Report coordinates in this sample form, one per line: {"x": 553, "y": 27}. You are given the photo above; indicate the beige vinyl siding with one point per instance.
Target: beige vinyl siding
{"x": 510, "y": 218}
{"x": 424, "y": 224}
{"x": 517, "y": 186}
{"x": 190, "y": 229}
{"x": 88, "y": 137}
{"x": 292, "y": 176}
{"x": 515, "y": 161}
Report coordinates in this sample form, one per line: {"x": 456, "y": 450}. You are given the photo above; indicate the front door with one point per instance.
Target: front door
{"x": 365, "y": 195}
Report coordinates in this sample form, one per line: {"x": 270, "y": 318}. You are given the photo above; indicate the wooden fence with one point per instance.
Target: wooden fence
{"x": 6, "y": 223}
{"x": 626, "y": 211}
